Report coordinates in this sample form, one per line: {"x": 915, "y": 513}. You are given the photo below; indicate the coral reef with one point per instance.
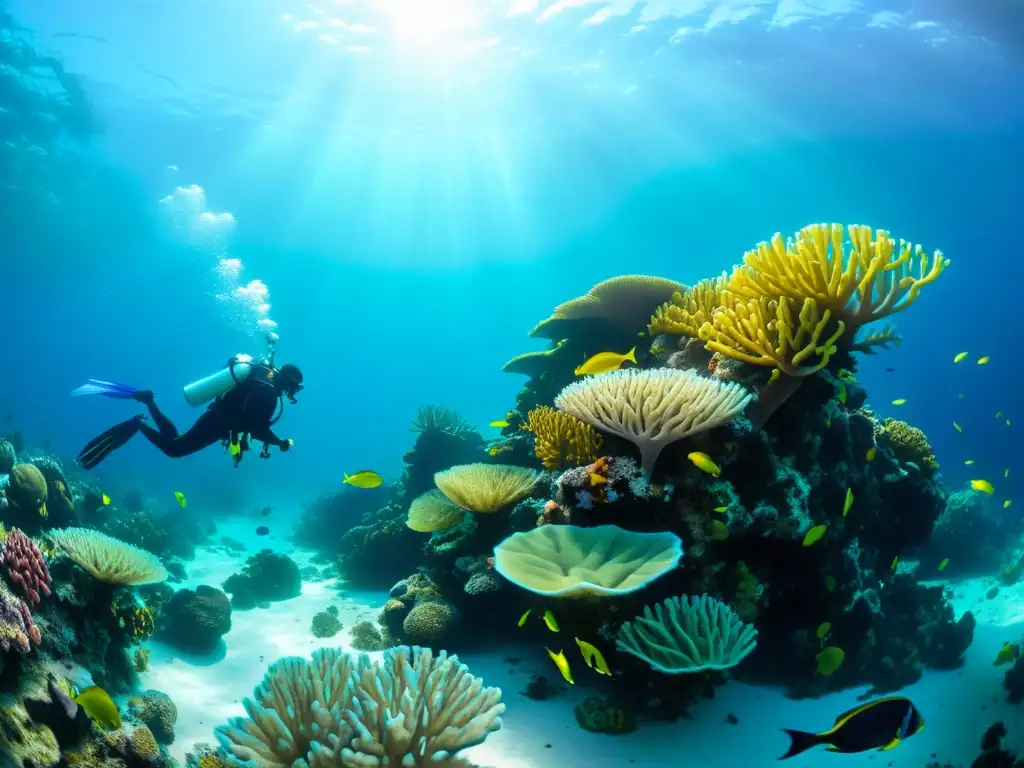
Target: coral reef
{"x": 266, "y": 577}
{"x": 25, "y": 567}
{"x": 25, "y": 494}
{"x": 156, "y": 711}
{"x": 971, "y": 535}
{"x": 107, "y": 559}
{"x": 326, "y": 624}
{"x": 196, "y": 620}
{"x": 561, "y": 439}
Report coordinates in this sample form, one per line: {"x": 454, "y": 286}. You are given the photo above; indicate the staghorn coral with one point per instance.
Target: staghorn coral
{"x": 561, "y": 439}
{"x": 484, "y": 488}
{"x": 909, "y": 444}
{"x": 25, "y": 567}
{"x": 652, "y": 408}
{"x": 685, "y": 312}
{"x": 433, "y": 511}
{"x": 107, "y": 559}
{"x": 688, "y": 634}
{"x": 415, "y": 709}
{"x": 569, "y": 561}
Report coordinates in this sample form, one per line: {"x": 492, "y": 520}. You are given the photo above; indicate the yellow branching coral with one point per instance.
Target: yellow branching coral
{"x": 764, "y": 331}
{"x": 873, "y": 280}
{"x": 909, "y": 444}
{"x": 560, "y": 438}
{"x": 688, "y": 310}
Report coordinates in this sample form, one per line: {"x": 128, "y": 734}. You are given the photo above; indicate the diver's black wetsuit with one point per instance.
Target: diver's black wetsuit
{"x": 247, "y": 409}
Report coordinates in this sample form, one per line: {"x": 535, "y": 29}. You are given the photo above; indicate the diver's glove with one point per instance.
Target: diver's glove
{"x": 285, "y": 445}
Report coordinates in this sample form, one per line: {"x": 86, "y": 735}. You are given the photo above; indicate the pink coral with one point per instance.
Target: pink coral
{"x": 25, "y": 567}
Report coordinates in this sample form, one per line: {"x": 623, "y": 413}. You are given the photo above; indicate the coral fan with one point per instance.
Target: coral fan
{"x": 25, "y": 567}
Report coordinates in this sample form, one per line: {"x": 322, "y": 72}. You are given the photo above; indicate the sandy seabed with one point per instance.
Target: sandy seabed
{"x": 957, "y": 706}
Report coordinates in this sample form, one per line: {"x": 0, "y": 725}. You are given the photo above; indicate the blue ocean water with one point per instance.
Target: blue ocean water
{"x": 416, "y": 183}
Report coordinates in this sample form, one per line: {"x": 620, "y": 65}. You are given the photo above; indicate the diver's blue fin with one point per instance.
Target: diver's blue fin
{"x": 105, "y": 388}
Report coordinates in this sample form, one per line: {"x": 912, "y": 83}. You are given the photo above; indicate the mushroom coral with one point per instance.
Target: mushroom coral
{"x": 569, "y": 561}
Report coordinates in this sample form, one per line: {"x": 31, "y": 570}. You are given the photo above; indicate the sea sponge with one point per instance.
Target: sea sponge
{"x": 652, "y": 408}
{"x": 688, "y": 634}
{"x": 486, "y": 488}
{"x": 430, "y": 622}
{"x": 624, "y": 302}
{"x": 560, "y": 438}
{"x": 414, "y": 709}
{"x": 26, "y": 489}
{"x": 686, "y": 311}
{"x": 569, "y": 561}
{"x": 433, "y": 511}
{"x": 909, "y": 444}
{"x": 109, "y": 560}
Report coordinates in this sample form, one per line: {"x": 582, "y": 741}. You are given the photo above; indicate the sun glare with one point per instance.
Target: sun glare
{"x": 441, "y": 26}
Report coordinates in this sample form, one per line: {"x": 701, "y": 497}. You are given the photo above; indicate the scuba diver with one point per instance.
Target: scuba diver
{"x": 245, "y": 399}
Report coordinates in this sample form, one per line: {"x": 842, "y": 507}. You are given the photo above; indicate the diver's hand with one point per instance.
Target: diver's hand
{"x": 286, "y": 444}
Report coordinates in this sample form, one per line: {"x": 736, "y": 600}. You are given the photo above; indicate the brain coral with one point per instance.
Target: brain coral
{"x": 429, "y": 622}
{"x": 26, "y": 489}
{"x": 197, "y": 620}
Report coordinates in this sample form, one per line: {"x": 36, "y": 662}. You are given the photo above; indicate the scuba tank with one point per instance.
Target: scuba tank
{"x": 223, "y": 381}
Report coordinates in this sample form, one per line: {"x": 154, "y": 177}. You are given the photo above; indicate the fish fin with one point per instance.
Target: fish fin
{"x": 631, "y": 355}
{"x": 347, "y": 477}
{"x": 891, "y": 745}
{"x": 800, "y": 741}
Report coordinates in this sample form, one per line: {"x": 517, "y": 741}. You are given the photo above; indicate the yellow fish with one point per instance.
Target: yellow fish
{"x": 1007, "y": 422}
{"x": 596, "y": 479}
{"x": 181, "y": 499}
{"x": 364, "y": 478}
{"x": 842, "y": 393}
{"x": 830, "y": 583}
{"x": 823, "y": 629}
{"x": 872, "y": 452}
{"x": 593, "y": 657}
{"x": 983, "y": 485}
{"x": 999, "y": 414}
{"x": 603, "y": 362}
{"x": 983, "y": 360}
{"x": 814, "y": 535}
{"x": 1008, "y": 653}
{"x": 704, "y": 463}
{"x": 549, "y": 619}
{"x": 1006, "y": 472}
{"x": 958, "y": 428}
{"x": 100, "y": 707}
{"x": 900, "y": 401}
{"x": 718, "y": 530}
{"x": 524, "y": 617}
{"x": 720, "y": 509}
{"x": 895, "y": 563}
{"x": 943, "y": 563}
{"x": 105, "y": 499}
{"x": 500, "y": 424}
{"x": 829, "y": 660}
{"x": 849, "y": 502}
{"x": 960, "y": 357}
{"x": 968, "y": 462}
{"x": 562, "y": 664}
{"x": 1006, "y": 504}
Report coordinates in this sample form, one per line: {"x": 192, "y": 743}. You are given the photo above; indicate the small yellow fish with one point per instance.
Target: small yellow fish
{"x": 603, "y": 362}
{"x": 960, "y": 357}
{"x": 596, "y": 479}
{"x": 829, "y": 660}
{"x": 720, "y": 509}
{"x": 944, "y": 562}
{"x": 364, "y": 478}
{"x": 984, "y": 359}
{"x": 549, "y": 619}
{"x": 958, "y": 428}
{"x": 181, "y": 499}
{"x": 593, "y": 657}
{"x": 848, "y": 502}
{"x": 1009, "y": 652}
{"x": 718, "y": 530}
{"x": 99, "y": 707}
{"x": 968, "y": 462}
{"x": 500, "y": 424}
{"x": 872, "y": 452}
{"x": 815, "y": 534}
{"x": 900, "y": 401}
{"x": 830, "y": 583}
{"x": 1007, "y": 422}
{"x": 1007, "y": 503}
{"x": 999, "y": 414}
{"x": 105, "y": 499}
{"x": 704, "y": 463}
{"x": 895, "y": 563}
{"x": 842, "y": 393}
{"x": 562, "y": 664}
{"x": 1006, "y": 472}
{"x": 524, "y": 617}
{"x": 823, "y": 629}
{"x": 983, "y": 485}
